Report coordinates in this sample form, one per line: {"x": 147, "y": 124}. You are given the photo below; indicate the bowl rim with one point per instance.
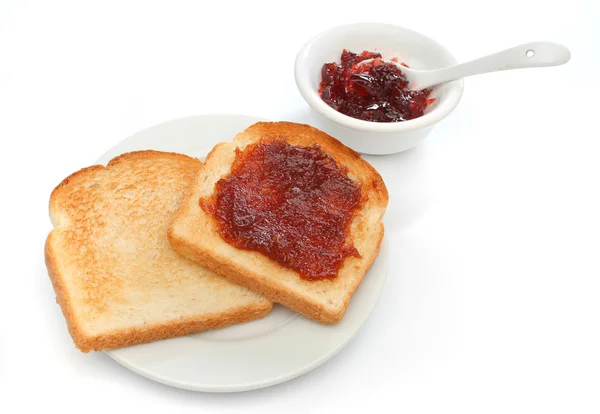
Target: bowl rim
{"x": 312, "y": 97}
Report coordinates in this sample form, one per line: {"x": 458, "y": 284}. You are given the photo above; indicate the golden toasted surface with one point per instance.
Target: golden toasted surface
{"x": 115, "y": 275}
{"x": 194, "y": 232}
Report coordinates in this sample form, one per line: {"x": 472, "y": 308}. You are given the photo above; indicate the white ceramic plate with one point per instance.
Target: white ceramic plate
{"x": 279, "y": 347}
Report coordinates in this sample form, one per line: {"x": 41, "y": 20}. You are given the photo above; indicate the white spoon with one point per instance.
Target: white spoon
{"x": 528, "y": 55}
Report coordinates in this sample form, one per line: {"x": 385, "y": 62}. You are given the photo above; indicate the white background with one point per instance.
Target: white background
{"x": 492, "y": 302}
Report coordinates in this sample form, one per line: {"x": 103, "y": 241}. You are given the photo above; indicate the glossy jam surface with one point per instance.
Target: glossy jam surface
{"x": 293, "y": 204}
{"x": 376, "y": 91}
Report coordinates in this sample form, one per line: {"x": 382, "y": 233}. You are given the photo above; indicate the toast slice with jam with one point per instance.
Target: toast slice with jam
{"x": 289, "y": 212}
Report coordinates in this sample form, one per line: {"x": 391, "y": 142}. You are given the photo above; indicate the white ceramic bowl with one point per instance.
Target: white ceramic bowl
{"x": 415, "y": 49}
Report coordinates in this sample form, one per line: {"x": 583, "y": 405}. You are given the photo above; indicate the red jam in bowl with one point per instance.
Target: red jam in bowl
{"x": 376, "y": 91}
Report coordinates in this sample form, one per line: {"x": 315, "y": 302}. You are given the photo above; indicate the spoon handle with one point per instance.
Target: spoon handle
{"x": 527, "y": 55}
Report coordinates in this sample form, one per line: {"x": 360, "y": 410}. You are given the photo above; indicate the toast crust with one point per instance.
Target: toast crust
{"x": 324, "y": 301}
{"x": 146, "y": 332}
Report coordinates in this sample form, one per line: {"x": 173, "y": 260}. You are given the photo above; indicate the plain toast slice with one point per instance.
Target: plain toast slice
{"x": 194, "y": 233}
{"x": 116, "y": 278}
